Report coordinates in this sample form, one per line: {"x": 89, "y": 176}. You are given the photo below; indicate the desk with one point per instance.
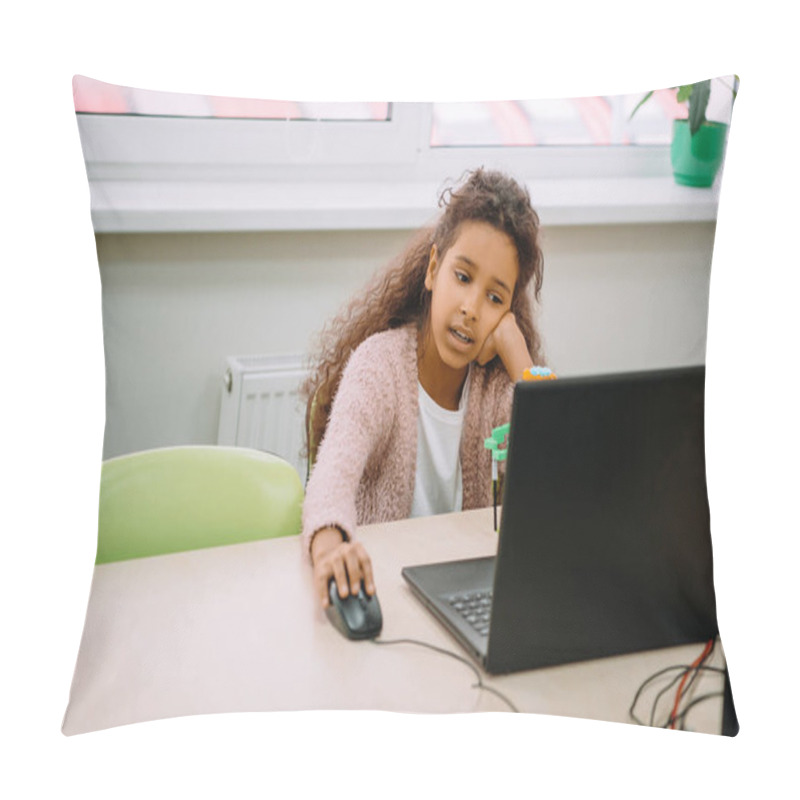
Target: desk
{"x": 239, "y": 628}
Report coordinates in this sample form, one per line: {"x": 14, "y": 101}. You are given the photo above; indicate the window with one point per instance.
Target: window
{"x": 97, "y": 97}
{"x": 162, "y": 161}
{"x": 578, "y": 121}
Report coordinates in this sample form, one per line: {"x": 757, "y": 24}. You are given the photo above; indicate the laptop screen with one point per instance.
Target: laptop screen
{"x": 605, "y": 545}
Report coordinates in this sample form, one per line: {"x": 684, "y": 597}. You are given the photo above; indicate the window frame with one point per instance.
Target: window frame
{"x": 146, "y": 173}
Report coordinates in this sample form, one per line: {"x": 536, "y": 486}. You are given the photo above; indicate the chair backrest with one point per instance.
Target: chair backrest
{"x": 184, "y": 498}
{"x": 311, "y": 441}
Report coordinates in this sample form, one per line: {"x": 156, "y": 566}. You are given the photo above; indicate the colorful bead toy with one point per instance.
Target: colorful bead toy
{"x": 538, "y": 374}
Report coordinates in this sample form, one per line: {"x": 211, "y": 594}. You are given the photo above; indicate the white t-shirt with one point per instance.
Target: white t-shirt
{"x": 437, "y": 483}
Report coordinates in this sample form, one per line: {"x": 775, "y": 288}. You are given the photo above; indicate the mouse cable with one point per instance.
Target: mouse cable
{"x": 684, "y": 668}
{"x": 479, "y": 685}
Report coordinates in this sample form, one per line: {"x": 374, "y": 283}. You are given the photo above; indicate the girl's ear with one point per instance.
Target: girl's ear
{"x": 432, "y": 265}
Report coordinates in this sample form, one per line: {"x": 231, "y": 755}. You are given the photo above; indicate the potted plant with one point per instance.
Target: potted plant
{"x": 698, "y": 145}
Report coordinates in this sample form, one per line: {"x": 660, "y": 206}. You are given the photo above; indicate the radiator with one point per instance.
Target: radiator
{"x": 261, "y": 408}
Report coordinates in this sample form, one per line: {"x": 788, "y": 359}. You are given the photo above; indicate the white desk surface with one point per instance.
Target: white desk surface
{"x": 239, "y": 628}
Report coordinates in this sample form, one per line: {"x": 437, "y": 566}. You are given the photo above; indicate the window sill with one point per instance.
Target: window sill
{"x": 139, "y": 206}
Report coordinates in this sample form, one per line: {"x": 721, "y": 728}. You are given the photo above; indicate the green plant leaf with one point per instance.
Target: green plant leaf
{"x": 641, "y": 103}
{"x": 684, "y": 92}
{"x": 698, "y": 103}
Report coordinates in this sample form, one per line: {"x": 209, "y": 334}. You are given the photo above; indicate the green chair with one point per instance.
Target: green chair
{"x": 185, "y": 498}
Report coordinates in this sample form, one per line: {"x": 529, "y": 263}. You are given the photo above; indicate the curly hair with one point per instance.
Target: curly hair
{"x": 397, "y": 296}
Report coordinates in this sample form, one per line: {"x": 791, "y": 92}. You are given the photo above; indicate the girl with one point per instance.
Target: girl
{"x": 414, "y": 374}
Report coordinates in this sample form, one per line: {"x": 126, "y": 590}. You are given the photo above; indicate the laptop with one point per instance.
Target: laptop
{"x": 604, "y": 544}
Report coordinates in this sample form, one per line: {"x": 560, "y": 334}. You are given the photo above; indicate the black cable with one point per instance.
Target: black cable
{"x": 649, "y": 680}
{"x": 684, "y": 692}
{"x": 479, "y": 685}
{"x": 684, "y": 668}
{"x": 654, "y": 707}
{"x": 696, "y": 670}
{"x": 695, "y": 673}
{"x": 694, "y": 702}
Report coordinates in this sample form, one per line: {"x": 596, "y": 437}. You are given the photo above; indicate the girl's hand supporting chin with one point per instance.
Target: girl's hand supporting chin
{"x": 507, "y": 341}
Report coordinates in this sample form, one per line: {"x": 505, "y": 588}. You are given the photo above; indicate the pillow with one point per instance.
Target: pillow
{"x": 227, "y": 232}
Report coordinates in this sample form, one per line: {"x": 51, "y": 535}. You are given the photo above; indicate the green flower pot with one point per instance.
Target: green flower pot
{"x": 696, "y": 159}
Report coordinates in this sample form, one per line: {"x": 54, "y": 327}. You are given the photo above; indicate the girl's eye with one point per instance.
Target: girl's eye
{"x": 462, "y": 276}
{"x": 495, "y": 298}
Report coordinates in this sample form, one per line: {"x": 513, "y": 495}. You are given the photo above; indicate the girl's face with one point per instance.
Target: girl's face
{"x": 471, "y": 289}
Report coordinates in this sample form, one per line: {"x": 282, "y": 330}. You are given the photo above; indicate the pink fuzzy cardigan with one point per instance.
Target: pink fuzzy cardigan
{"x": 366, "y": 463}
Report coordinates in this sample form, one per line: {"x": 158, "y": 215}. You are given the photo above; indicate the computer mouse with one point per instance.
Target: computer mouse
{"x": 355, "y": 616}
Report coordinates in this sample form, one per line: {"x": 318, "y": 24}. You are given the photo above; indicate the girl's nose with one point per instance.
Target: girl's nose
{"x": 468, "y": 306}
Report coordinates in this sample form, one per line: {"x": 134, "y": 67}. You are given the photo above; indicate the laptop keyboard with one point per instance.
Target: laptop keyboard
{"x": 475, "y": 608}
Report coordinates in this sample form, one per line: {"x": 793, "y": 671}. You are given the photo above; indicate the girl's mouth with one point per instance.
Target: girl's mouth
{"x": 461, "y": 337}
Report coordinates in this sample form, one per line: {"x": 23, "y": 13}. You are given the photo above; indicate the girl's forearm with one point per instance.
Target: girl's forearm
{"x": 513, "y": 350}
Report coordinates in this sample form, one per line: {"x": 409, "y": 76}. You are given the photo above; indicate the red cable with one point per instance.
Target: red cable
{"x": 700, "y": 659}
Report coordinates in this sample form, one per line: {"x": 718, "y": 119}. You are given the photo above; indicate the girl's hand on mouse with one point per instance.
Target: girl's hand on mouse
{"x": 507, "y": 341}
{"x": 346, "y": 562}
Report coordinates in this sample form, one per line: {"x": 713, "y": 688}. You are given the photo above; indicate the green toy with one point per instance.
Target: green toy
{"x": 499, "y": 453}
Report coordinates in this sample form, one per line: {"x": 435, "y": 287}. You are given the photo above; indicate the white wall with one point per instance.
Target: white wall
{"x": 617, "y": 297}
{"x": 620, "y": 298}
